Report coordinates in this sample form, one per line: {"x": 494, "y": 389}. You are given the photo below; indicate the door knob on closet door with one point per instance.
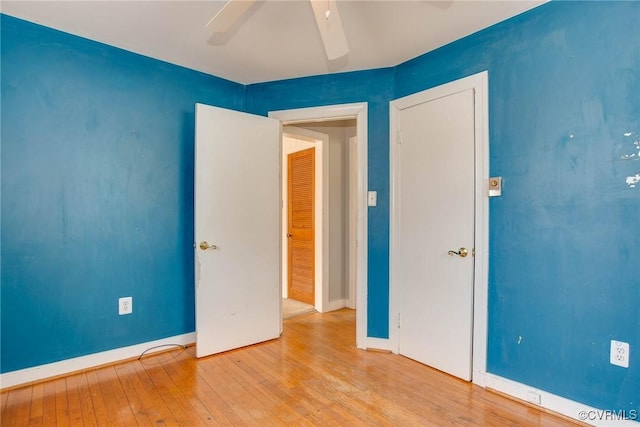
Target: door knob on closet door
{"x": 463, "y": 252}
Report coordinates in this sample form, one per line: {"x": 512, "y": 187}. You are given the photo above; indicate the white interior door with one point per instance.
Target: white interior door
{"x": 436, "y": 215}
{"x": 237, "y": 229}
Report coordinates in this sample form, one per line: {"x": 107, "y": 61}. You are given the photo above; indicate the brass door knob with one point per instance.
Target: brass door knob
{"x": 204, "y": 246}
{"x": 463, "y": 252}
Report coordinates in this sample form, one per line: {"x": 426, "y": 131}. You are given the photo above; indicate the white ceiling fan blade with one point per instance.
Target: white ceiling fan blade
{"x": 229, "y": 15}
{"x": 330, "y": 27}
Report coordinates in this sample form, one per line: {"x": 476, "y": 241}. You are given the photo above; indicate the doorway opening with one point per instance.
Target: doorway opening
{"x": 338, "y": 134}
{"x": 324, "y": 272}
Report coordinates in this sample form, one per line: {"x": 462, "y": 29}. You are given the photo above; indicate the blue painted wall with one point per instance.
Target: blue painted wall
{"x": 376, "y": 88}
{"x": 564, "y": 241}
{"x": 97, "y": 194}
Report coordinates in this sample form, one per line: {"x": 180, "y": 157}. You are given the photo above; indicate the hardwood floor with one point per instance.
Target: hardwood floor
{"x": 312, "y": 375}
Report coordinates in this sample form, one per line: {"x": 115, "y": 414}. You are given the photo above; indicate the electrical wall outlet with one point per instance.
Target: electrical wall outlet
{"x": 620, "y": 353}
{"x": 125, "y": 305}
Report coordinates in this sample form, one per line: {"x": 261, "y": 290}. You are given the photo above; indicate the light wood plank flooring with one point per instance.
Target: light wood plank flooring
{"x": 313, "y": 375}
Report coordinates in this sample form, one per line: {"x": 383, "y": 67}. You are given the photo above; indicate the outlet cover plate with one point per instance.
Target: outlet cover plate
{"x": 125, "y": 305}
{"x": 619, "y": 353}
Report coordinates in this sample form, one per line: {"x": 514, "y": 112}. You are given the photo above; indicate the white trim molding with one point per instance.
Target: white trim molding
{"x": 335, "y": 305}
{"x": 561, "y": 405}
{"x": 68, "y": 366}
{"x": 479, "y": 83}
{"x": 338, "y": 112}
{"x": 377, "y": 344}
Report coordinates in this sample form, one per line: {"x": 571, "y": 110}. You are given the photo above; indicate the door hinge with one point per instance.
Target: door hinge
{"x": 398, "y": 321}
{"x": 399, "y": 138}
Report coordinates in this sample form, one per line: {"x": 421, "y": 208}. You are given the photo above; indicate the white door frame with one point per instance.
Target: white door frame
{"x": 339, "y": 112}
{"x": 480, "y": 85}
{"x": 352, "y": 208}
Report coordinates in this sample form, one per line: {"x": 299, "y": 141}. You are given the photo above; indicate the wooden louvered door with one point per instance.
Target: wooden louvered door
{"x": 300, "y": 229}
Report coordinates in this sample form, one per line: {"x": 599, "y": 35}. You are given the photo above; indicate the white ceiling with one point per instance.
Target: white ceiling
{"x": 275, "y": 39}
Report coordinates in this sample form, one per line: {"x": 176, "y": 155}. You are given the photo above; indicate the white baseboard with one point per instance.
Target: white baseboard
{"x": 377, "y": 344}
{"x": 561, "y": 405}
{"x": 63, "y": 367}
{"x": 335, "y": 305}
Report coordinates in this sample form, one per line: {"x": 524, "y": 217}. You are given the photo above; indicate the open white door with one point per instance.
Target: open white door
{"x": 237, "y": 229}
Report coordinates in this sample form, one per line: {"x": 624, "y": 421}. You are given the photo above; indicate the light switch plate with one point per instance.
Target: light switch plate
{"x": 372, "y": 198}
